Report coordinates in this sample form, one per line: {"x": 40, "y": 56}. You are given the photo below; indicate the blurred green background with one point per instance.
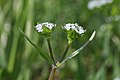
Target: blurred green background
{"x": 100, "y": 60}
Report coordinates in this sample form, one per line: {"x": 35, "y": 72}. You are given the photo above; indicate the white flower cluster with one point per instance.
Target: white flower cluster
{"x": 76, "y": 27}
{"x": 39, "y": 27}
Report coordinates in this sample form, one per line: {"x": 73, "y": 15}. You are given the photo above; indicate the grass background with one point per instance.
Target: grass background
{"x": 19, "y": 60}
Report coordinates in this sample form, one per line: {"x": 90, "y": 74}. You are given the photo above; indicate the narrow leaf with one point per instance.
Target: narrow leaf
{"x": 40, "y": 50}
{"x": 78, "y": 50}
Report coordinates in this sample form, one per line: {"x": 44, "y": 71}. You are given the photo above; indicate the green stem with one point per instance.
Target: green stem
{"x": 52, "y": 73}
{"x": 65, "y": 52}
{"x": 50, "y": 50}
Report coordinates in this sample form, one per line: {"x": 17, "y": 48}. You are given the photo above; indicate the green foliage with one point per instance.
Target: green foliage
{"x": 41, "y": 51}
{"x": 20, "y": 61}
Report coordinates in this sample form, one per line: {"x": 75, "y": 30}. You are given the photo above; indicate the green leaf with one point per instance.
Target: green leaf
{"x": 39, "y": 49}
{"x": 75, "y": 52}
{"x": 78, "y": 50}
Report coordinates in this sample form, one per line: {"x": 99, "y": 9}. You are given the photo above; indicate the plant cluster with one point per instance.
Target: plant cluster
{"x": 72, "y": 30}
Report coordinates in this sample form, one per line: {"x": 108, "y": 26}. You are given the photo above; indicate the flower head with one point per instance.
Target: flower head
{"x": 39, "y": 27}
{"x": 73, "y": 31}
{"x": 78, "y": 29}
{"x": 45, "y": 28}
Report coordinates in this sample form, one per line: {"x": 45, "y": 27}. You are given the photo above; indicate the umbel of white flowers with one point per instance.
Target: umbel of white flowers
{"x": 50, "y": 26}
{"x": 75, "y": 27}
{"x": 73, "y": 31}
{"x": 45, "y": 28}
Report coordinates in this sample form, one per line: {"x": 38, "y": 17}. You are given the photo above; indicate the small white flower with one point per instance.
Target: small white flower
{"x": 80, "y": 30}
{"x": 49, "y": 25}
{"x": 75, "y": 27}
{"x": 39, "y": 27}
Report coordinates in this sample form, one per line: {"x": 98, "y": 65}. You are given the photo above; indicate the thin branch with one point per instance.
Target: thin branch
{"x": 65, "y": 52}
{"x": 50, "y": 50}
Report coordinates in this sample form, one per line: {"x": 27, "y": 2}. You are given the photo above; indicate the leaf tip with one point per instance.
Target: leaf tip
{"x": 92, "y": 36}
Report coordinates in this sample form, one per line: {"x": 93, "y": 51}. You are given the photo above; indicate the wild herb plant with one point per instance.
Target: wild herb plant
{"x": 73, "y": 31}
